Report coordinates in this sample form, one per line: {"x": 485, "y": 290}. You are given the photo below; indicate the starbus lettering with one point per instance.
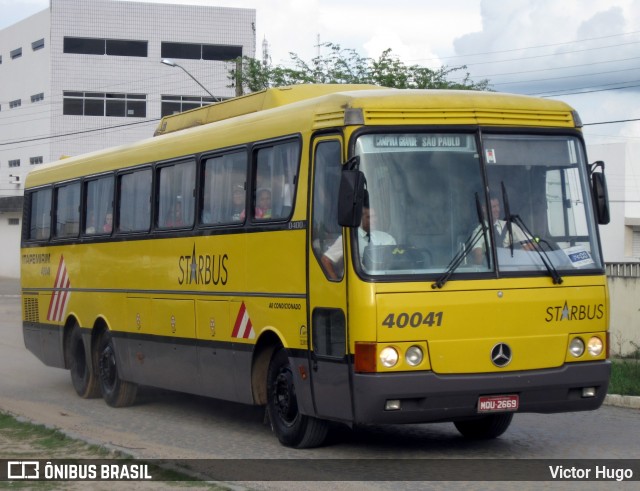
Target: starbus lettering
{"x": 568, "y": 312}
{"x": 199, "y": 269}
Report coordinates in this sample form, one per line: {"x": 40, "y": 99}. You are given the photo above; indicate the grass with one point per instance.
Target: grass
{"x": 625, "y": 375}
{"x": 20, "y": 440}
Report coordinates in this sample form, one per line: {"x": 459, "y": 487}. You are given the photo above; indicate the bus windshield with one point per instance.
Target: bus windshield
{"x": 427, "y": 210}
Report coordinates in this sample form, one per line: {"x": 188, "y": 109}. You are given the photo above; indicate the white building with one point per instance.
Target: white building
{"x": 621, "y": 237}
{"x": 86, "y": 74}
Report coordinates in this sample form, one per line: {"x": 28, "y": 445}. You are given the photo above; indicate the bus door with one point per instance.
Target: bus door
{"x": 328, "y": 339}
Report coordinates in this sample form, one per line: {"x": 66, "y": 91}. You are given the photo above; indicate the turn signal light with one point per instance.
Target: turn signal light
{"x": 365, "y": 357}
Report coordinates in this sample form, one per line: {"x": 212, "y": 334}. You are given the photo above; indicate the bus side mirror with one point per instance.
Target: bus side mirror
{"x": 600, "y": 194}
{"x": 351, "y": 198}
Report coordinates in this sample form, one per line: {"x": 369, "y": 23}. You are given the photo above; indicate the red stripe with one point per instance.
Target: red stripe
{"x": 247, "y": 330}
{"x": 61, "y": 272}
{"x": 54, "y": 298}
{"x": 236, "y": 328}
{"x": 62, "y": 300}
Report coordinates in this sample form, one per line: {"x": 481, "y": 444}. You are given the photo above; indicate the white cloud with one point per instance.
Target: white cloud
{"x": 531, "y": 42}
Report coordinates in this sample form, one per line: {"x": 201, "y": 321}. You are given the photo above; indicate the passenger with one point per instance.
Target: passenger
{"x": 108, "y": 223}
{"x": 237, "y": 203}
{"x": 263, "y": 203}
{"x": 175, "y": 218}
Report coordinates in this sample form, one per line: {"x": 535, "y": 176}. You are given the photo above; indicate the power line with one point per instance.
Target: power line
{"x": 489, "y": 75}
{"x": 104, "y": 128}
{"x": 559, "y": 93}
{"x": 528, "y": 47}
{"x": 611, "y": 122}
{"x": 551, "y": 54}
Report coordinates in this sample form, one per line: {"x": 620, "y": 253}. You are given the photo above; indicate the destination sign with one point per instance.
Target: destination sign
{"x": 420, "y": 141}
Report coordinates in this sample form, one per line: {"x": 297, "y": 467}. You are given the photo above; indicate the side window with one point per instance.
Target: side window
{"x": 134, "y": 211}
{"x": 67, "y": 210}
{"x": 275, "y": 181}
{"x": 326, "y": 234}
{"x": 99, "y": 206}
{"x": 176, "y": 195}
{"x": 224, "y": 192}
{"x": 40, "y": 216}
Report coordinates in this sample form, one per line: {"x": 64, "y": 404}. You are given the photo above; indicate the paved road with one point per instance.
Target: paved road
{"x": 169, "y": 425}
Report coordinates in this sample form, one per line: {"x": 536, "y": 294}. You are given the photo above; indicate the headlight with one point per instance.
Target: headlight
{"x": 576, "y": 347}
{"x": 595, "y": 346}
{"x": 414, "y": 356}
{"x": 389, "y": 357}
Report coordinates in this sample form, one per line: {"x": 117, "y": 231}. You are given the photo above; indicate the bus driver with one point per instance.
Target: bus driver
{"x": 332, "y": 259}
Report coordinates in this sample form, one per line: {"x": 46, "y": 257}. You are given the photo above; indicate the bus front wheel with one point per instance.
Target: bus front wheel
{"x": 115, "y": 391}
{"x": 83, "y": 376}
{"x": 484, "y": 427}
{"x": 292, "y": 428}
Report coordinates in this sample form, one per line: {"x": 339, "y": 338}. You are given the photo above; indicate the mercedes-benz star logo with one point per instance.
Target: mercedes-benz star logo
{"x": 501, "y": 355}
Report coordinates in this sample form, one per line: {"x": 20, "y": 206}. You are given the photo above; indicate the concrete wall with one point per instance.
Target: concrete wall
{"x": 624, "y": 293}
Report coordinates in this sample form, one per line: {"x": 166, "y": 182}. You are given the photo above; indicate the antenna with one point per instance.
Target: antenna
{"x": 265, "y": 52}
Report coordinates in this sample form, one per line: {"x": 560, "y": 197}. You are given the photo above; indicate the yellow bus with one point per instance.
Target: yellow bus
{"x": 334, "y": 253}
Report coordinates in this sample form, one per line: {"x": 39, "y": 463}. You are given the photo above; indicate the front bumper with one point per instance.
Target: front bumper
{"x": 429, "y": 397}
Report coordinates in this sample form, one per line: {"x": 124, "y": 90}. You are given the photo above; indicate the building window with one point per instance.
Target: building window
{"x": 35, "y": 160}
{"x": 191, "y": 51}
{"x": 16, "y": 53}
{"x": 14, "y": 163}
{"x": 104, "y": 104}
{"x": 16, "y": 103}
{"x": 36, "y": 45}
{"x": 172, "y": 104}
{"x": 37, "y": 97}
{"x": 220, "y": 52}
{"x": 14, "y": 221}
{"x": 113, "y": 47}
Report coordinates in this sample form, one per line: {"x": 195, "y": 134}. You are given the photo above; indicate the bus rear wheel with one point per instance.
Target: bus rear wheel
{"x": 484, "y": 427}
{"x": 115, "y": 391}
{"x": 83, "y": 376}
{"x": 292, "y": 428}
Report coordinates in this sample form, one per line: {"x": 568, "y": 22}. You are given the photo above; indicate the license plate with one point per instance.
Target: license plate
{"x": 498, "y": 404}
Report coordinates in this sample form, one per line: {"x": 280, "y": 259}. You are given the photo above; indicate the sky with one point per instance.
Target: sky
{"x": 584, "y": 52}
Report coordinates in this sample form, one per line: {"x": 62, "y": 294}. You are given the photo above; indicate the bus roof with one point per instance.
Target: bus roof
{"x": 298, "y": 109}
{"x": 250, "y": 103}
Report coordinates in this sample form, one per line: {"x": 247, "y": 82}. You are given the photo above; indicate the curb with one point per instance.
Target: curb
{"x": 616, "y": 400}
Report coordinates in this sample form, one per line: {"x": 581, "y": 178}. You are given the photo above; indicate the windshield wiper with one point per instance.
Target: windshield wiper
{"x": 468, "y": 246}
{"x": 507, "y": 215}
{"x": 509, "y": 218}
{"x": 557, "y": 279}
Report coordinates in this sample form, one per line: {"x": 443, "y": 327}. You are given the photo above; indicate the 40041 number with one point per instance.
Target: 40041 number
{"x": 415, "y": 319}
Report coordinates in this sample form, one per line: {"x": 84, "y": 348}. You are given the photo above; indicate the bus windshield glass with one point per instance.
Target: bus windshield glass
{"x": 427, "y": 211}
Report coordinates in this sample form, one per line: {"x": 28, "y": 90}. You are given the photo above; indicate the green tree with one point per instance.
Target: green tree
{"x": 345, "y": 66}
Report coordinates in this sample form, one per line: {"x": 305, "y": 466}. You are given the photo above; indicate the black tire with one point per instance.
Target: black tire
{"x": 83, "y": 374}
{"x": 292, "y": 428}
{"x": 484, "y": 427}
{"x": 115, "y": 391}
